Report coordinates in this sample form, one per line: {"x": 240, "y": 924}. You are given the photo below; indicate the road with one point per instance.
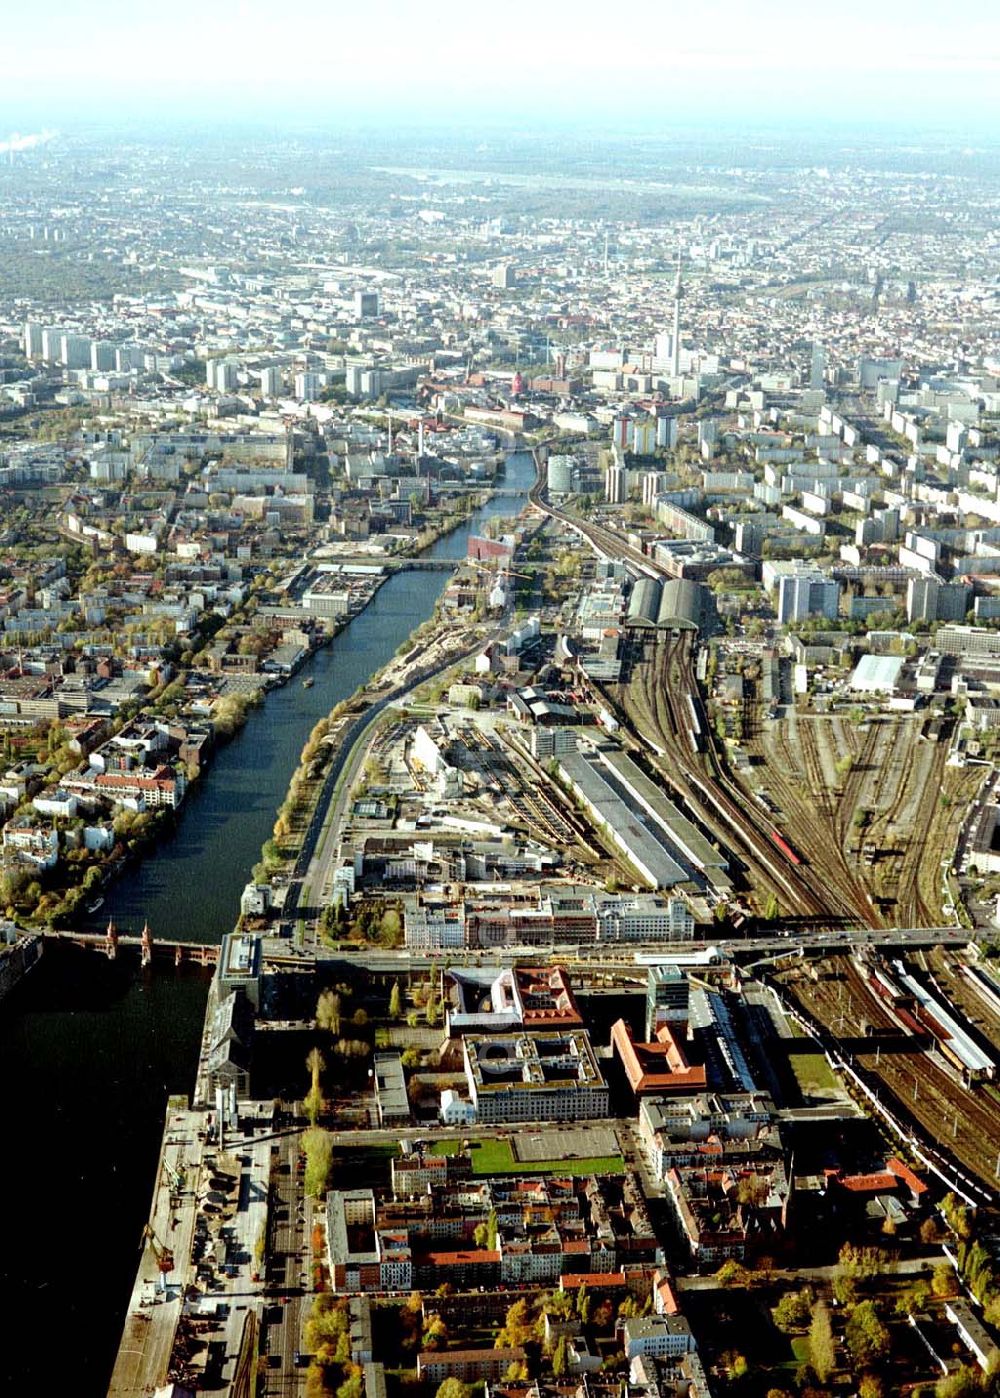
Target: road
{"x": 288, "y": 1281}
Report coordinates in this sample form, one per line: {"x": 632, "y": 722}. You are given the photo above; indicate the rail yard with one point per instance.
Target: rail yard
{"x": 660, "y": 701}
{"x": 874, "y": 829}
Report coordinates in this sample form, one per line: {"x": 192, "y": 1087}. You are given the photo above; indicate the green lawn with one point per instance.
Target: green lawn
{"x": 812, "y": 1072}
{"x": 446, "y": 1147}
{"x": 495, "y": 1157}
{"x": 800, "y": 1349}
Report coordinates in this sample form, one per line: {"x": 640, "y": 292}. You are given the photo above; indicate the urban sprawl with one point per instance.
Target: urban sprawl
{"x": 614, "y": 1011}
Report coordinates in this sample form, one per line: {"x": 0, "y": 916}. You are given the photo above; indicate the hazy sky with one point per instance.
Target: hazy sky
{"x": 896, "y": 60}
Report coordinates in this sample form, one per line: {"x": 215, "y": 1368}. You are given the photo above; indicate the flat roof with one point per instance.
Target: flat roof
{"x": 877, "y": 674}
{"x": 643, "y": 842}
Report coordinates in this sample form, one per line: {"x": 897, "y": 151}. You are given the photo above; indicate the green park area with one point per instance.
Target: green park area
{"x": 495, "y": 1157}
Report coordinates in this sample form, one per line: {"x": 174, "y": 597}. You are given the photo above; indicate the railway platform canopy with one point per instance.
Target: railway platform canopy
{"x": 682, "y": 605}
{"x": 677, "y": 604}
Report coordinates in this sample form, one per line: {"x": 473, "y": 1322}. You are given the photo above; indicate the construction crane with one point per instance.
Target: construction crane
{"x": 164, "y": 1256}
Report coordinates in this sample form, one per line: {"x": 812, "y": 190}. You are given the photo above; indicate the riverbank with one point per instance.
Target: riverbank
{"x": 231, "y": 717}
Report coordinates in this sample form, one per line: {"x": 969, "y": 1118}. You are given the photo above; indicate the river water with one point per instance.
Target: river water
{"x": 90, "y": 1050}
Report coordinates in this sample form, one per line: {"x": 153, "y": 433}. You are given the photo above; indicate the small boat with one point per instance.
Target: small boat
{"x": 93, "y": 907}
{"x": 308, "y": 682}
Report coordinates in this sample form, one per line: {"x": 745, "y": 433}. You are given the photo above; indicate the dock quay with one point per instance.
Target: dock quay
{"x": 207, "y": 1276}
{"x": 146, "y": 1356}
{"x": 194, "y": 1315}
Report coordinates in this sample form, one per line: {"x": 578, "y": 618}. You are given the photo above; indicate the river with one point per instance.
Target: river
{"x": 91, "y": 1050}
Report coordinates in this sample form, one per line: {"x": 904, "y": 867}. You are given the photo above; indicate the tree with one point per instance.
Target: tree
{"x": 328, "y": 1011}
{"x": 353, "y": 1387}
{"x": 867, "y": 1338}
{"x": 964, "y": 1383}
{"x": 559, "y": 1360}
{"x": 861, "y": 1263}
{"x": 318, "y": 1147}
{"x": 913, "y": 1299}
{"x": 327, "y": 1323}
{"x": 485, "y": 1233}
{"x": 313, "y": 1101}
{"x": 395, "y": 1001}
{"x": 435, "y": 1334}
{"x": 793, "y": 1310}
{"x": 943, "y": 1280}
{"x": 822, "y": 1354}
{"x": 559, "y": 1304}
{"x": 453, "y": 1388}
{"x": 870, "y": 1387}
{"x": 518, "y": 1326}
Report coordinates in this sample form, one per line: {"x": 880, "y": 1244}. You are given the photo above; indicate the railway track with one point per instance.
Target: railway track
{"x": 965, "y": 1122}
{"x": 673, "y": 676}
{"x": 808, "y": 808}
{"x": 654, "y": 710}
{"x": 869, "y": 758}
{"x": 829, "y": 846}
{"x": 910, "y": 899}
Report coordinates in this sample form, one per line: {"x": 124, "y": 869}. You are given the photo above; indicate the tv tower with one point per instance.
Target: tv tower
{"x": 675, "y": 345}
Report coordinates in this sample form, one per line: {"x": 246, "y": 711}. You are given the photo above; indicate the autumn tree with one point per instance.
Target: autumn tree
{"x": 313, "y": 1101}
{"x": 559, "y": 1358}
{"x": 822, "y": 1353}
{"x": 793, "y": 1310}
{"x": 518, "y": 1326}
{"x": 453, "y": 1388}
{"x": 328, "y": 1011}
{"x": 867, "y": 1338}
{"x": 318, "y": 1146}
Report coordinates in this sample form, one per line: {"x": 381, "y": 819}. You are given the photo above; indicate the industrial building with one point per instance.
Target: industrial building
{"x": 643, "y": 843}
{"x": 876, "y": 674}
